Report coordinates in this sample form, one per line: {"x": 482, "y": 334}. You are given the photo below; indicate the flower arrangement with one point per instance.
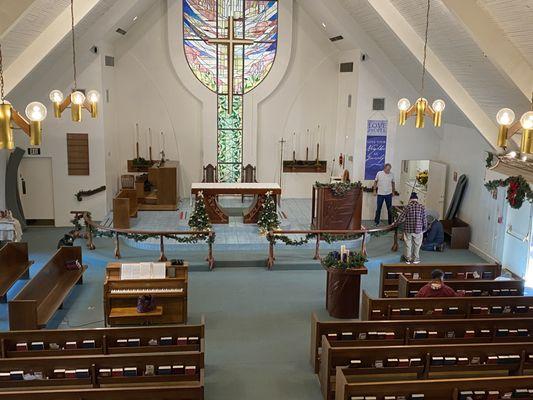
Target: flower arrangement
{"x": 422, "y": 177}
{"x": 345, "y": 259}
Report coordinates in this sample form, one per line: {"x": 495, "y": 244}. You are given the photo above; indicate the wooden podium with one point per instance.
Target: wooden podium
{"x": 164, "y": 195}
{"x": 336, "y": 212}
{"x": 343, "y": 291}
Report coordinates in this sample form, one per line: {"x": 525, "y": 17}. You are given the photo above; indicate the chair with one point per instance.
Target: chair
{"x": 248, "y": 175}
{"x": 127, "y": 181}
{"x": 210, "y": 174}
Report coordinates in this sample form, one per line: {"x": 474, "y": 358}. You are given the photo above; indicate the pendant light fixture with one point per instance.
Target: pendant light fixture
{"x": 9, "y": 117}
{"x": 508, "y": 128}
{"x": 421, "y": 108}
{"x": 77, "y": 99}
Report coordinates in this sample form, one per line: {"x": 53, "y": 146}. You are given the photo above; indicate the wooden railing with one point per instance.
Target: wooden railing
{"x": 116, "y": 232}
{"x": 320, "y": 234}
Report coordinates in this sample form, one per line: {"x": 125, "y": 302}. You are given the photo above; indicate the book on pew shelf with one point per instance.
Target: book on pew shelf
{"x": 153, "y": 342}
{"x": 53, "y": 346}
{"x": 513, "y": 292}
{"x": 437, "y": 311}
{"x": 370, "y": 398}
{"x": 462, "y": 360}
{"x": 514, "y": 358}
{"x": 475, "y": 360}
{"x": 479, "y": 395}
{"x": 461, "y": 275}
{"x": 478, "y": 293}
{"x": 378, "y": 364}
{"x": 166, "y": 341}
{"x": 496, "y": 310}
{"x": 485, "y": 332}
{"x": 392, "y": 275}
{"x": 476, "y": 310}
{"x": 357, "y": 398}
{"x": 190, "y": 370}
{"x": 530, "y": 358}
{"x": 178, "y": 369}
{"x": 405, "y": 311}
{"x": 417, "y": 396}
{"x": 389, "y": 398}
{"x": 104, "y": 372}
{"x": 82, "y": 373}
{"x": 117, "y": 372}
{"x": 376, "y": 313}
{"x": 193, "y": 340}
{"x": 450, "y": 334}
{"x": 181, "y": 341}
{"x": 16, "y": 375}
{"x": 164, "y": 370}
{"x": 59, "y": 373}
{"x": 346, "y": 335}
{"x": 419, "y": 311}
{"x": 22, "y": 347}
{"x": 452, "y": 310}
{"x": 5, "y": 376}
{"x": 505, "y": 292}
{"x": 130, "y": 371}
{"x": 412, "y": 293}
{"x": 390, "y": 335}
{"x": 496, "y": 292}
{"x": 355, "y": 364}
{"x": 521, "y": 393}
{"x": 395, "y": 311}
{"x": 502, "y": 332}
{"x": 415, "y": 362}
{"x": 437, "y": 360}
{"x": 486, "y": 275}
{"x": 466, "y": 395}
{"x": 513, "y": 332}
{"x": 450, "y": 360}
{"x": 470, "y": 334}
{"x": 37, "y": 346}
{"x": 403, "y": 362}
{"x": 433, "y": 334}
{"x": 493, "y": 395}
{"x": 372, "y": 335}
{"x": 362, "y": 336}
{"x": 381, "y": 335}
{"x": 122, "y": 342}
{"x": 522, "y": 332}
{"x": 134, "y": 342}
{"x": 331, "y": 336}
{"x": 492, "y": 359}
{"x": 448, "y": 275}
{"x": 70, "y": 373}
{"x": 149, "y": 370}
{"x": 71, "y": 345}
{"x": 392, "y": 362}
{"x": 416, "y": 275}
{"x": 88, "y": 344}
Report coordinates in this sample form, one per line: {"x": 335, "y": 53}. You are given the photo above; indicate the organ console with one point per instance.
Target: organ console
{"x": 169, "y": 293}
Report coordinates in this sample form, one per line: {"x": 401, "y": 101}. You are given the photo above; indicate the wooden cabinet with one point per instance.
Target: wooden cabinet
{"x": 165, "y": 186}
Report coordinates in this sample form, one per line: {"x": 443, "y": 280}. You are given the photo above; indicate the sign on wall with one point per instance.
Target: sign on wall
{"x": 376, "y": 146}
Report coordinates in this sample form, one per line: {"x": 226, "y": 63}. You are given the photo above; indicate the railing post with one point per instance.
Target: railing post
{"x": 162, "y": 257}
{"x": 90, "y": 243}
{"x": 271, "y": 258}
{"x": 210, "y": 258}
{"x": 317, "y": 248}
{"x": 395, "y": 245}
{"x": 363, "y": 244}
{"x": 117, "y": 246}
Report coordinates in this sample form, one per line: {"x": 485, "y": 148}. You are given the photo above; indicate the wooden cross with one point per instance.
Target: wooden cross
{"x": 230, "y": 42}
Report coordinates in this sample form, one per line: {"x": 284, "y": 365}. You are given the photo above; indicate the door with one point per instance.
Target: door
{"x": 36, "y": 190}
{"x": 436, "y": 187}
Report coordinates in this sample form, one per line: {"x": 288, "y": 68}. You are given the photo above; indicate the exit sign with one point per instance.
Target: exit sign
{"x": 34, "y": 151}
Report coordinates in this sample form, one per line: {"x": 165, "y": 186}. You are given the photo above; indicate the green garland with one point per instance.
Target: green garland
{"x": 339, "y": 188}
{"x": 518, "y": 190}
{"x": 353, "y": 259}
{"x": 489, "y": 159}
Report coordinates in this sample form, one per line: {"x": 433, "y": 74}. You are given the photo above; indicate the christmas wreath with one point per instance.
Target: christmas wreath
{"x": 518, "y": 190}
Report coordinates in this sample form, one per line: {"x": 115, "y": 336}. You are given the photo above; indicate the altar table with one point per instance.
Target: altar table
{"x": 211, "y": 191}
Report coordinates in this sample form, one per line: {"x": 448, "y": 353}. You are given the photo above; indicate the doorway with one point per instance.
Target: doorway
{"x": 36, "y": 190}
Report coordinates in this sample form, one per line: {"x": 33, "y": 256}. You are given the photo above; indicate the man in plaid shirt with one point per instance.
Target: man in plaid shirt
{"x": 415, "y": 224}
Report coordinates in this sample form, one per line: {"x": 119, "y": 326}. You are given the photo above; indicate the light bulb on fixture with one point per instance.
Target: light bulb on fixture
{"x": 93, "y": 97}
{"x": 56, "y": 97}
{"x": 511, "y": 154}
{"x": 77, "y": 99}
{"x": 526, "y": 145}
{"x": 524, "y": 158}
{"x": 403, "y": 105}
{"x": 505, "y": 118}
{"x": 527, "y": 120}
{"x": 438, "y": 107}
{"x": 36, "y": 113}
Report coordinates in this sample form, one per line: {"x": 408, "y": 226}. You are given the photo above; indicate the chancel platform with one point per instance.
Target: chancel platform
{"x": 211, "y": 192}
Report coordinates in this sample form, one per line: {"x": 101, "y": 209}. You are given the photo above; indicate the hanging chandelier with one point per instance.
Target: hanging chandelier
{"x": 77, "y": 99}
{"x": 421, "y": 108}
{"x": 9, "y": 117}
{"x": 508, "y": 128}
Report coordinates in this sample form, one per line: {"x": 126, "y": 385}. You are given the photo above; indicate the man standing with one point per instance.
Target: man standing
{"x": 414, "y": 216}
{"x": 384, "y": 187}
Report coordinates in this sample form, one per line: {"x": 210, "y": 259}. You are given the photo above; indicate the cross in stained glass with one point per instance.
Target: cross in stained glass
{"x": 230, "y": 42}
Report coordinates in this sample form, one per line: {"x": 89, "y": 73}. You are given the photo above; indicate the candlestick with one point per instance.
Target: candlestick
{"x": 137, "y": 142}
{"x": 318, "y": 153}
{"x": 150, "y": 143}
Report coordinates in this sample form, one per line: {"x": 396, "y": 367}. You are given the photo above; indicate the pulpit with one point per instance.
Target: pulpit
{"x": 334, "y": 208}
{"x": 343, "y": 291}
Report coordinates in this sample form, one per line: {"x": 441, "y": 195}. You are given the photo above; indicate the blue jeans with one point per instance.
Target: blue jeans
{"x": 387, "y": 198}
{"x": 430, "y": 246}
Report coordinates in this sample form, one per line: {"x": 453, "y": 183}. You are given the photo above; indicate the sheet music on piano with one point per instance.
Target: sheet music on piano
{"x": 143, "y": 270}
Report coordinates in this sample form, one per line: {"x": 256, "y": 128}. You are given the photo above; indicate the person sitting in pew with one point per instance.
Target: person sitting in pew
{"x": 434, "y": 236}
{"x": 437, "y": 287}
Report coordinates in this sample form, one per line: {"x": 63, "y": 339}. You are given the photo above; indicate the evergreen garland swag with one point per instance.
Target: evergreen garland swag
{"x": 518, "y": 190}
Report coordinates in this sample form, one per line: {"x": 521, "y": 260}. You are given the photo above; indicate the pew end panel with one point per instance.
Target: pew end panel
{"x": 23, "y": 315}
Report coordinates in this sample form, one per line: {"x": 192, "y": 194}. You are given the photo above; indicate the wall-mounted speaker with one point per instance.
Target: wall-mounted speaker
{"x": 378, "y": 104}
{"x": 347, "y": 67}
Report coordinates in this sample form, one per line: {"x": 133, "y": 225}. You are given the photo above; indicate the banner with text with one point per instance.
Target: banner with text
{"x": 376, "y": 146}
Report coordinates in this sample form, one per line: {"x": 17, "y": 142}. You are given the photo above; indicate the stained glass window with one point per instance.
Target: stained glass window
{"x": 255, "y": 21}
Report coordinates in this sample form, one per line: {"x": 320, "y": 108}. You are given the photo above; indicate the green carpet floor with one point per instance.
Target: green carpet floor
{"x": 257, "y": 321}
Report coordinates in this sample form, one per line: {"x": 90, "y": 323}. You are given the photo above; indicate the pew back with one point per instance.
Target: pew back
{"x": 14, "y": 264}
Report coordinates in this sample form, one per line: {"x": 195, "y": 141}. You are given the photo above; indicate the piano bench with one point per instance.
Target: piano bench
{"x": 131, "y": 312}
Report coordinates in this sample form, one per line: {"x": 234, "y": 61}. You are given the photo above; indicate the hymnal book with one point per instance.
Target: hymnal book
{"x": 37, "y": 345}
{"x": 5, "y": 376}
{"x": 181, "y": 341}
{"x": 347, "y": 335}
{"x": 178, "y": 369}
{"x": 513, "y": 332}
{"x": 381, "y": 335}
{"x": 433, "y": 334}
{"x": 492, "y": 359}
{"x": 190, "y": 370}
{"x": 88, "y": 344}
{"x": 470, "y": 334}
{"x": 496, "y": 292}
{"x": 437, "y": 311}
{"x": 104, "y": 372}
{"x": 134, "y": 342}
{"x": 466, "y": 395}
{"x": 59, "y": 373}
{"x": 117, "y": 372}
{"x": 388, "y": 398}
{"x": 376, "y": 313}
{"x": 395, "y": 311}
{"x": 450, "y": 334}
{"x": 71, "y": 345}
{"x": 484, "y": 332}
{"x": 372, "y": 335}
{"x": 378, "y": 363}
{"x": 486, "y": 275}
{"x": 362, "y": 336}
{"x": 405, "y": 311}
{"x": 479, "y": 395}
{"x": 502, "y": 332}
{"x": 149, "y": 370}
{"x": 496, "y": 309}
{"x": 332, "y": 336}
{"x": 476, "y": 310}
{"x": 392, "y": 275}
{"x": 461, "y": 276}
{"x": 355, "y": 363}
{"x": 390, "y": 335}
{"x": 417, "y": 396}
{"x": 450, "y": 360}
{"x": 357, "y": 398}
{"x": 448, "y": 275}
{"x": 122, "y": 342}
{"x": 53, "y": 346}
{"x": 514, "y": 358}
{"x": 70, "y": 373}
{"x": 22, "y": 346}
{"x": 462, "y": 360}
{"x": 164, "y": 370}
{"x": 437, "y": 360}
{"x": 82, "y": 373}
{"x": 403, "y": 362}
{"x": 166, "y": 341}
{"x": 419, "y": 311}
{"x": 513, "y": 292}
{"x": 477, "y": 293}
{"x": 521, "y": 393}
{"x": 522, "y": 332}
{"x": 370, "y": 398}
{"x": 505, "y": 292}
{"x": 412, "y": 293}
{"x": 392, "y": 362}
{"x": 453, "y": 310}
{"x": 130, "y": 371}
{"x": 16, "y": 375}
{"x": 415, "y": 362}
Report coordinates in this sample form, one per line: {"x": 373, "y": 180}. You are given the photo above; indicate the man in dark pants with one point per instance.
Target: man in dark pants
{"x": 384, "y": 187}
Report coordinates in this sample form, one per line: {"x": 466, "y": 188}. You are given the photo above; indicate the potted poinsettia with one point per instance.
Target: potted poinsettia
{"x": 343, "y": 287}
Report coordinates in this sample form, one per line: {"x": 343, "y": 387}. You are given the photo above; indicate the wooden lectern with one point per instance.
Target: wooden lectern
{"x": 343, "y": 291}
{"x": 331, "y": 211}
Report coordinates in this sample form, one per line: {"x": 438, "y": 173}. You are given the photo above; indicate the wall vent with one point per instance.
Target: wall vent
{"x": 336, "y": 38}
{"x": 121, "y": 31}
{"x": 378, "y": 104}
{"x": 347, "y": 67}
{"x": 109, "y": 61}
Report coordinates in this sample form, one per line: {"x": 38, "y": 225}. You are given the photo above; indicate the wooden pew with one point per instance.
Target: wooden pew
{"x": 389, "y": 273}
{"x": 333, "y": 357}
{"x": 14, "y": 265}
{"x": 190, "y": 373}
{"x": 439, "y": 389}
{"x": 105, "y": 340}
{"x": 466, "y": 307}
{"x": 125, "y": 206}
{"x": 404, "y": 332}
{"x": 37, "y": 302}
{"x": 168, "y": 392}
{"x": 472, "y": 287}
